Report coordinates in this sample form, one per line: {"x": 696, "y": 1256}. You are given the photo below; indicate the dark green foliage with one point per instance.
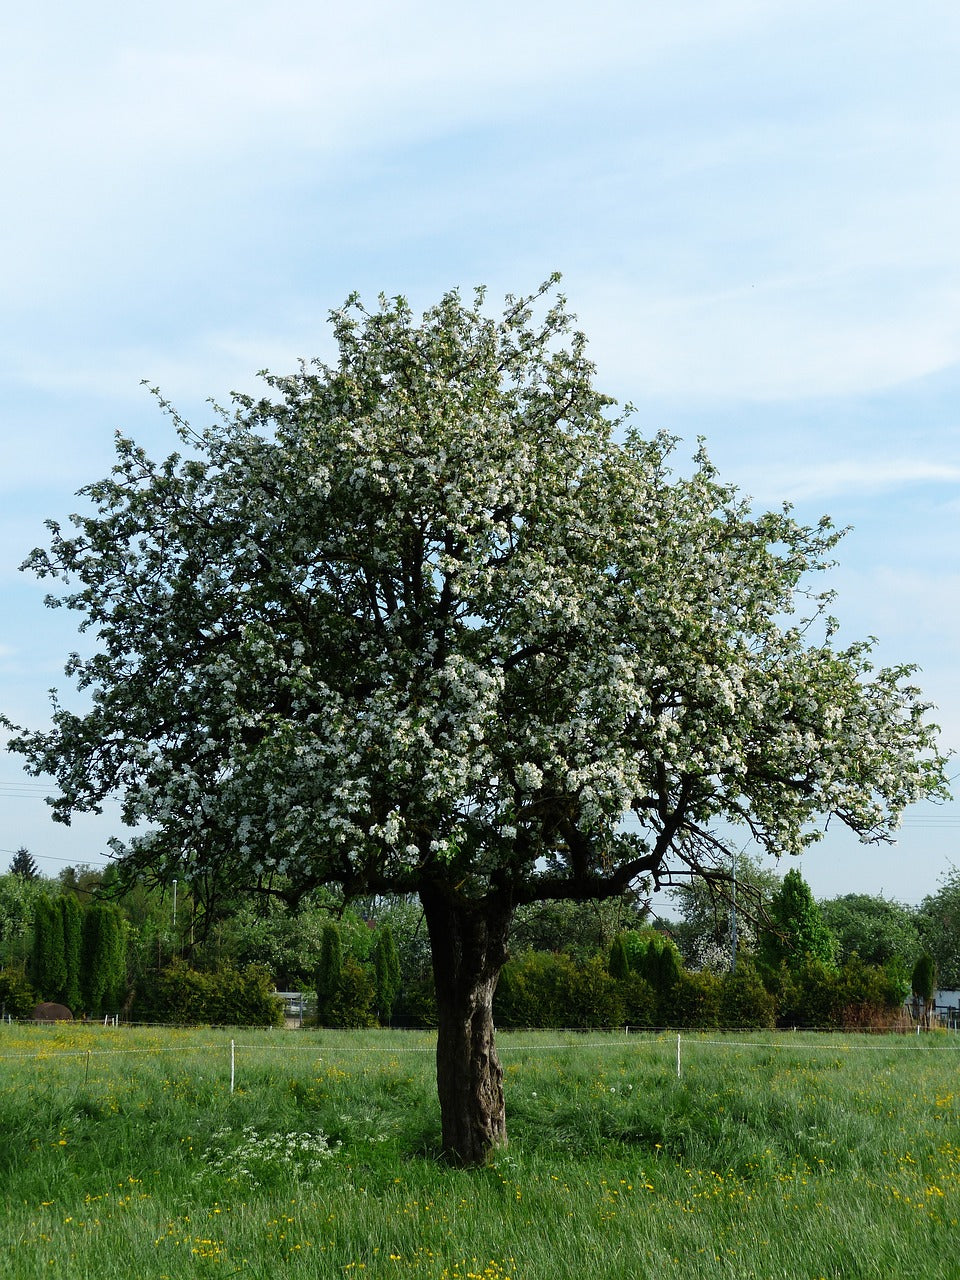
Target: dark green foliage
{"x": 535, "y": 990}
{"x": 18, "y": 898}
{"x": 71, "y": 916}
{"x": 581, "y": 929}
{"x": 417, "y": 1003}
{"x": 877, "y": 929}
{"x": 596, "y": 999}
{"x": 923, "y": 980}
{"x": 550, "y": 989}
{"x": 797, "y": 932}
{"x": 655, "y": 958}
{"x": 938, "y": 919}
{"x": 23, "y": 865}
{"x": 17, "y": 997}
{"x": 805, "y": 994}
{"x": 639, "y": 1001}
{"x": 104, "y": 958}
{"x": 48, "y": 970}
{"x": 329, "y": 971}
{"x": 618, "y": 964}
{"x": 386, "y": 964}
{"x": 225, "y": 997}
{"x": 744, "y": 1000}
{"x": 696, "y": 1000}
{"x": 868, "y": 995}
{"x": 351, "y": 1006}
{"x": 816, "y": 995}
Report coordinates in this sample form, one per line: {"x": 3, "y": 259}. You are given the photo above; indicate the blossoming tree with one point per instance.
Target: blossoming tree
{"x": 434, "y": 621}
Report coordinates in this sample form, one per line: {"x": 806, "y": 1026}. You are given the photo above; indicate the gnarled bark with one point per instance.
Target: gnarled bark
{"x": 468, "y": 941}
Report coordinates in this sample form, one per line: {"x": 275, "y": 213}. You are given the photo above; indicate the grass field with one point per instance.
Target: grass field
{"x": 125, "y": 1154}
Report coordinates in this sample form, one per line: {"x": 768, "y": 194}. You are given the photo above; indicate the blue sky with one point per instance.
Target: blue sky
{"x": 754, "y": 206}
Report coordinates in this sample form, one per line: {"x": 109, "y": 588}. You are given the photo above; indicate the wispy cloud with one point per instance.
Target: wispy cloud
{"x": 830, "y": 478}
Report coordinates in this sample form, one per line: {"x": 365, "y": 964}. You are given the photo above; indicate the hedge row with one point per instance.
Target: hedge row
{"x": 547, "y": 989}
{"x": 225, "y": 997}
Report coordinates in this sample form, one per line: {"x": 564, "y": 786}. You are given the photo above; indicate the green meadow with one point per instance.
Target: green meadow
{"x": 124, "y": 1153}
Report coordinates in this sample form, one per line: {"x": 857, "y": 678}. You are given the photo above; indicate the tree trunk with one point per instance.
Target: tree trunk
{"x": 468, "y": 943}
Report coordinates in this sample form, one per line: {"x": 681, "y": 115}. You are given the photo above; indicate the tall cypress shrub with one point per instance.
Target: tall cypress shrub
{"x": 386, "y": 964}
{"x": 104, "y": 957}
{"x": 71, "y": 916}
{"x": 329, "y": 971}
{"x": 619, "y": 962}
{"x": 48, "y": 969}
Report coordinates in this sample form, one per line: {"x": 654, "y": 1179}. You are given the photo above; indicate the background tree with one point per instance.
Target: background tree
{"x": 618, "y": 963}
{"x": 938, "y": 919}
{"x": 48, "y": 967}
{"x": 386, "y": 964}
{"x": 329, "y": 972}
{"x": 703, "y": 932}
{"x": 923, "y": 982}
{"x": 878, "y": 931}
{"x": 104, "y": 958}
{"x": 580, "y": 928}
{"x": 654, "y": 957}
{"x": 796, "y": 932}
{"x": 18, "y": 898}
{"x": 23, "y": 865}
{"x": 876, "y": 928}
{"x": 430, "y": 621}
{"x": 71, "y": 916}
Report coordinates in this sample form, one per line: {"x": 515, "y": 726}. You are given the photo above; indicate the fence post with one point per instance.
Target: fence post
{"x": 678, "y": 1055}
{"x": 232, "y": 1062}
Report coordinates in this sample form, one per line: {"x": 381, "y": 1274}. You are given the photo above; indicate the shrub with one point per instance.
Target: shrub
{"x": 807, "y": 994}
{"x": 551, "y": 989}
{"x": 48, "y": 968}
{"x": 536, "y": 989}
{"x": 386, "y": 964}
{"x": 417, "y": 1003}
{"x": 816, "y": 995}
{"x": 103, "y": 978}
{"x": 694, "y": 1001}
{"x": 595, "y": 998}
{"x": 744, "y": 1000}
{"x": 17, "y": 997}
{"x": 655, "y": 958}
{"x": 639, "y": 1001}
{"x": 329, "y": 974}
{"x": 351, "y": 1004}
{"x": 228, "y": 997}
{"x": 867, "y": 996}
{"x": 619, "y": 962}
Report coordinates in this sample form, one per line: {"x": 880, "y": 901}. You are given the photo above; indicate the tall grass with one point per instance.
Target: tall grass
{"x": 123, "y": 1153}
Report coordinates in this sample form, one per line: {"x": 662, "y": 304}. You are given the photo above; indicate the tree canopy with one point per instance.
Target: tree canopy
{"x": 876, "y": 929}
{"x": 433, "y": 619}
{"x": 798, "y": 932}
{"x": 938, "y": 919}
{"x": 22, "y": 864}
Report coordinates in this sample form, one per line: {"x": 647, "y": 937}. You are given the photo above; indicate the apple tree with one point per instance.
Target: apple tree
{"x": 433, "y": 619}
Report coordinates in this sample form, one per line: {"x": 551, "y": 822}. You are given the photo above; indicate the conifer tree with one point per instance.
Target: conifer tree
{"x": 48, "y": 970}
{"x": 386, "y": 964}
{"x": 71, "y": 915}
{"x": 329, "y": 970}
